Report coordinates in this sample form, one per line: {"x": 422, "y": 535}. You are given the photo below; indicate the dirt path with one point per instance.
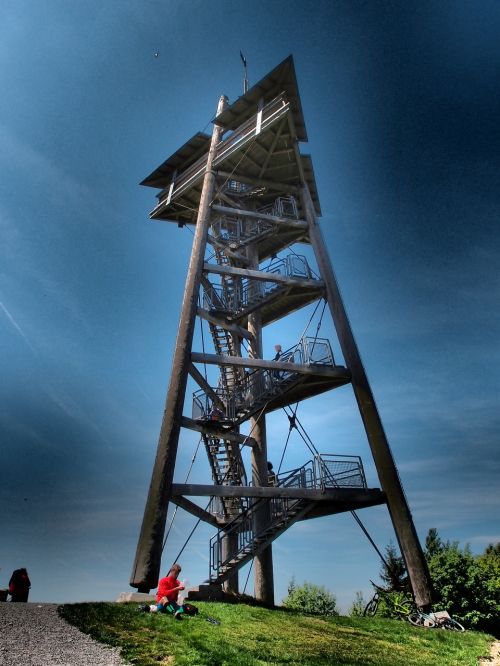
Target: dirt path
{"x": 494, "y": 658}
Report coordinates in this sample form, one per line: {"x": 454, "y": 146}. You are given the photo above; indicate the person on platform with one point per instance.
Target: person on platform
{"x": 19, "y": 585}
{"x": 272, "y": 479}
{"x": 168, "y": 592}
{"x": 277, "y": 357}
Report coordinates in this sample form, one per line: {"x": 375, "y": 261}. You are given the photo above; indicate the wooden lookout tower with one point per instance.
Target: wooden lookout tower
{"x": 250, "y": 196}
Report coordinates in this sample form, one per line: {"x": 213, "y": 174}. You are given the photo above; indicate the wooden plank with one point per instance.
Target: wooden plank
{"x": 222, "y": 323}
{"x": 258, "y": 123}
{"x": 259, "y": 182}
{"x": 269, "y": 492}
{"x": 263, "y": 276}
{"x": 241, "y": 212}
{"x": 146, "y": 568}
{"x": 200, "y": 426}
{"x": 202, "y": 383}
{"x": 337, "y": 371}
{"x": 230, "y": 253}
{"x": 195, "y": 510}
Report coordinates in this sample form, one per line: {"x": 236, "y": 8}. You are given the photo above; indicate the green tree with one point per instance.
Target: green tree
{"x": 358, "y": 605}
{"x": 467, "y": 586}
{"x": 433, "y": 543}
{"x": 493, "y": 550}
{"x": 309, "y": 598}
{"x": 393, "y": 570}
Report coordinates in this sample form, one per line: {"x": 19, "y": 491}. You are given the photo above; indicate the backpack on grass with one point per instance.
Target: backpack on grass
{"x": 189, "y": 609}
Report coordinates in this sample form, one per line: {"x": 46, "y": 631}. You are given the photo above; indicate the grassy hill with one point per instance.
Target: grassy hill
{"x": 254, "y": 636}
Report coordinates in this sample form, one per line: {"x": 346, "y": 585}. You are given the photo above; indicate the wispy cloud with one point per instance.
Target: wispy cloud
{"x": 75, "y": 412}
{"x": 454, "y": 507}
{"x": 16, "y": 326}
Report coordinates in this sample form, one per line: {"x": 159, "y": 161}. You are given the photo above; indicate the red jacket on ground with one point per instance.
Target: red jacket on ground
{"x": 165, "y": 588}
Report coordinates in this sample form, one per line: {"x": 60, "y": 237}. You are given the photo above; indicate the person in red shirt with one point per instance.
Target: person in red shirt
{"x": 19, "y": 585}
{"x": 168, "y": 592}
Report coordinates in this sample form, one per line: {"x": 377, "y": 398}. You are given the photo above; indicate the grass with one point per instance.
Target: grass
{"x": 254, "y": 636}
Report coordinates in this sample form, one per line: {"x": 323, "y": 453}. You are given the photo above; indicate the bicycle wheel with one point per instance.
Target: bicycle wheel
{"x": 419, "y": 619}
{"x": 451, "y": 624}
{"x": 371, "y": 607}
{"x": 401, "y": 610}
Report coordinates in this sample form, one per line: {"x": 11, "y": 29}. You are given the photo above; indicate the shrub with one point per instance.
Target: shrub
{"x": 309, "y": 598}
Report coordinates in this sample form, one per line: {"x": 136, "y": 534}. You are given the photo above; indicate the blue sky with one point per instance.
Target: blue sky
{"x": 401, "y": 105}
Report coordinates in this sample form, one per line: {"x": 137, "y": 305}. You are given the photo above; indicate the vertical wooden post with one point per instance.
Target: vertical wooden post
{"x": 263, "y": 563}
{"x": 382, "y": 455}
{"x": 146, "y": 569}
{"x": 230, "y": 547}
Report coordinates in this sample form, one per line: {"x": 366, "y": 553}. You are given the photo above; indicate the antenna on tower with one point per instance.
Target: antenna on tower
{"x": 245, "y": 78}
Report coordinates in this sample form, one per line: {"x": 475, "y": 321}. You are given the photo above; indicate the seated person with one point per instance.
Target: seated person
{"x": 168, "y": 592}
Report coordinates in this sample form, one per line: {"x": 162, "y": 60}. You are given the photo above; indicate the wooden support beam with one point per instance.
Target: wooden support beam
{"x": 382, "y": 455}
{"x": 195, "y": 510}
{"x": 252, "y": 161}
{"x": 208, "y": 286}
{"x": 236, "y": 256}
{"x": 334, "y": 371}
{"x": 209, "y": 429}
{"x": 264, "y": 276}
{"x": 279, "y": 131}
{"x": 146, "y": 568}
{"x": 260, "y": 182}
{"x": 202, "y": 383}
{"x": 222, "y": 323}
{"x": 270, "y": 492}
{"x": 224, "y": 196}
{"x": 241, "y": 212}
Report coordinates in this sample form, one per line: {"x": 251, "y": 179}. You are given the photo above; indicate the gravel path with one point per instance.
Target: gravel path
{"x": 35, "y": 635}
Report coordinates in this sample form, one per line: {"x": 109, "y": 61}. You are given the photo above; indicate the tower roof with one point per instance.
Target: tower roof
{"x": 259, "y": 148}
{"x": 281, "y": 79}
{"x": 181, "y": 159}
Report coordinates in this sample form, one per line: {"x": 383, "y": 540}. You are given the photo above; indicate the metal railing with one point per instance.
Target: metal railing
{"x": 236, "y": 295}
{"x": 333, "y": 471}
{"x": 237, "y": 231}
{"x": 282, "y": 207}
{"x": 324, "y": 471}
{"x": 271, "y": 112}
{"x": 260, "y": 386}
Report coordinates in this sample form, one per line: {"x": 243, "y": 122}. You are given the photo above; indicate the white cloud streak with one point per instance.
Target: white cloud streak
{"x": 16, "y": 326}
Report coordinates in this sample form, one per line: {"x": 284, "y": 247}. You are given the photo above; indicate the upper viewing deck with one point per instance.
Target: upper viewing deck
{"x": 259, "y": 148}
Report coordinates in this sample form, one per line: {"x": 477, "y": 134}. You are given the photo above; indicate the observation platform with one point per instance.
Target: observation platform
{"x": 325, "y": 485}
{"x": 272, "y": 227}
{"x": 305, "y": 370}
{"x": 260, "y": 151}
{"x": 285, "y": 286}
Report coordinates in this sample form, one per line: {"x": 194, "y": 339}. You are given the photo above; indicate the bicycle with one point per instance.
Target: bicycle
{"x": 444, "y": 621}
{"x": 399, "y": 604}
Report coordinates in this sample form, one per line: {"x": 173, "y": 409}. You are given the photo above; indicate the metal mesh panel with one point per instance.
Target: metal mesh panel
{"x": 335, "y": 472}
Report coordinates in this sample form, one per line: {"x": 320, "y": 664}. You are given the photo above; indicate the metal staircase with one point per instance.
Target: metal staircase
{"x": 284, "y": 513}
{"x": 227, "y": 469}
{"x": 325, "y": 471}
{"x": 236, "y": 232}
{"x": 236, "y": 298}
{"x": 264, "y": 389}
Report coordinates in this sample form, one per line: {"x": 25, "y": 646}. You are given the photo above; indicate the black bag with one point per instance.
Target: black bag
{"x": 143, "y": 608}
{"x": 189, "y": 609}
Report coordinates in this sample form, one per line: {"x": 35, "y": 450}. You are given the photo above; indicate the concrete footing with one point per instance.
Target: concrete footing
{"x": 137, "y": 597}
{"x": 205, "y": 593}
